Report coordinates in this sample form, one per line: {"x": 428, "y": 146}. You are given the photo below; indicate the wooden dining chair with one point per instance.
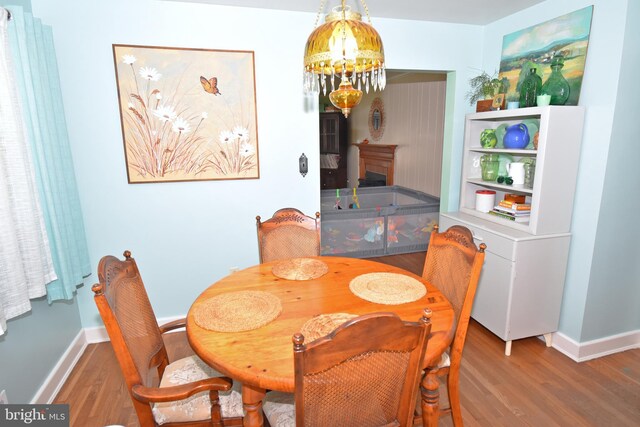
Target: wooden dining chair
{"x": 288, "y": 234}
{"x": 363, "y": 374}
{"x": 185, "y": 391}
{"x": 453, "y": 265}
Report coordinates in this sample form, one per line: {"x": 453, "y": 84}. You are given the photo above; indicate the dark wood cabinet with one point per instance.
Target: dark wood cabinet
{"x": 333, "y": 178}
{"x": 334, "y": 133}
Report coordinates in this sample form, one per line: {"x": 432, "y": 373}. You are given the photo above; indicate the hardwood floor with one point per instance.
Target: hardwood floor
{"x": 535, "y": 386}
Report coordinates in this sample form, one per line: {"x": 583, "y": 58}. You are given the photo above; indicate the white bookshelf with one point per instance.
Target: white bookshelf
{"x": 522, "y": 281}
{"x": 556, "y": 170}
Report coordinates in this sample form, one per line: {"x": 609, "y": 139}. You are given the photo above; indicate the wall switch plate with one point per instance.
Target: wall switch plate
{"x": 3, "y": 398}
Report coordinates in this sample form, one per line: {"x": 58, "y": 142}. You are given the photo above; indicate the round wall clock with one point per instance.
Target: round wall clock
{"x": 376, "y": 119}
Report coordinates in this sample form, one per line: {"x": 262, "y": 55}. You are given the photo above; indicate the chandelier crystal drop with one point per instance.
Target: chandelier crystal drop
{"x": 346, "y": 50}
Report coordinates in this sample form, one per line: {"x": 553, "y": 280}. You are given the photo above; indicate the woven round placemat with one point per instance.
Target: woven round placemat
{"x": 387, "y": 288}
{"x": 237, "y": 311}
{"x": 300, "y": 269}
{"x": 323, "y": 324}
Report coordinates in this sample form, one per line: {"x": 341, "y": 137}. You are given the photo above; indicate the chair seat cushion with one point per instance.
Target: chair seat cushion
{"x": 445, "y": 360}
{"x": 198, "y": 406}
{"x": 280, "y": 409}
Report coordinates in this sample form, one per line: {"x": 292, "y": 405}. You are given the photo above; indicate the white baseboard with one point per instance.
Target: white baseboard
{"x": 583, "y": 351}
{"x": 99, "y": 333}
{"x": 61, "y": 370}
{"x": 65, "y": 365}
{"x": 96, "y": 334}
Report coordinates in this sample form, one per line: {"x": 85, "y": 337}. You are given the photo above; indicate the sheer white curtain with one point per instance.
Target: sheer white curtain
{"x": 25, "y": 259}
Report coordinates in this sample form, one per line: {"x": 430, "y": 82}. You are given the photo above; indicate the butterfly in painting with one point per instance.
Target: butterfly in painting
{"x": 210, "y": 86}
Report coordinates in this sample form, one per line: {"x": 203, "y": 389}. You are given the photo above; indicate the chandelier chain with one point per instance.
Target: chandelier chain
{"x": 344, "y": 38}
{"x": 366, "y": 10}
{"x": 322, "y": 3}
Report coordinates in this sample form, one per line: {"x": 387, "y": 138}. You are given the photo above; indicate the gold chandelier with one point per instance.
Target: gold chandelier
{"x": 345, "y": 49}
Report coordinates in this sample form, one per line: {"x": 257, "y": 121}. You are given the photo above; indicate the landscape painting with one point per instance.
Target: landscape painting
{"x": 536, "y": 46}
{"x": 187, "y": 114}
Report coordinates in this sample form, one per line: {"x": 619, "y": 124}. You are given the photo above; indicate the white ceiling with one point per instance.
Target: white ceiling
{"x": 478, "y": 12}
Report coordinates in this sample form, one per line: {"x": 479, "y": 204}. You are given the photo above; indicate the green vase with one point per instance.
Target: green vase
{"x": 488, "y": 138}
{"x": 556, "y": 85}
{"x": 530, "y": 89}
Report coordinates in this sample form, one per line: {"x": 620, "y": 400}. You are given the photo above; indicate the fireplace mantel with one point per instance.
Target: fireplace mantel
{"x": 378, "y": 158}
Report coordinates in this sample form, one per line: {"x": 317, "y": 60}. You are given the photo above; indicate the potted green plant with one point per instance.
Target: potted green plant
{"x": 485, "y": 86}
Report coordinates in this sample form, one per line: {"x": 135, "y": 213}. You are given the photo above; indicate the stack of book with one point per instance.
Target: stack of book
{"x": 518, "y": 212}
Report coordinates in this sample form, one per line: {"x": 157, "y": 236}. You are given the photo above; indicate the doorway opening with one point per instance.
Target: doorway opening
{"x": 410, "y": 113}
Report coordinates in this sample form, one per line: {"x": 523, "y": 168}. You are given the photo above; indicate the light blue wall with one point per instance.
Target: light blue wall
{"x": 33, "y": 344}
{"x": 187, "y": 235}
{"x": 599, "y": 95}
{"x": 615, "y": 272}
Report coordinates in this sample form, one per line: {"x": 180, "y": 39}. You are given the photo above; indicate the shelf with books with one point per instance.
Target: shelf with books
{"x": 514, "y": 206}
{"x": 555, "y": 160}
{"x": 512, "y": 211}
{"x": 468, "y": 204}
{"x": 508, "y": 217}
{"x": 499, "y": 209}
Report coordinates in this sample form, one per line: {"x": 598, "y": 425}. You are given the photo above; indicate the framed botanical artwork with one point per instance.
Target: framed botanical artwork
{"x": 556, "y": 49}
{"x": 187, "y": 114}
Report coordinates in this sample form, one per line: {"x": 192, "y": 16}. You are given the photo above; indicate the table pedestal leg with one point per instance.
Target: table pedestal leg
{"x": 252, "y": 403}
{"x": 429, "y": 388}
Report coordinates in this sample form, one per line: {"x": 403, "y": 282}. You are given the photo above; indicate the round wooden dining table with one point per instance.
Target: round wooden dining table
{"x": 262, "y": 359}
